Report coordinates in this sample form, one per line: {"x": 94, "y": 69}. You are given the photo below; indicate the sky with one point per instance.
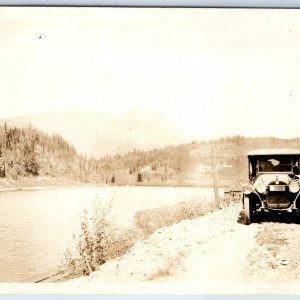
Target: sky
{"x": 211, "y": 72}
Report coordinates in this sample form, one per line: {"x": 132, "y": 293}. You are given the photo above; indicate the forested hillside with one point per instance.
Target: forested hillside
{"x": 29, "y": 152}
{"x": 191, "y": 164}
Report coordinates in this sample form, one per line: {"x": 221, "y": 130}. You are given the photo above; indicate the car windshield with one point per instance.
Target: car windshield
{"x": 275, "y": 164}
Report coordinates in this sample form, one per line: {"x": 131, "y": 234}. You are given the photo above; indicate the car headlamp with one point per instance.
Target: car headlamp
{"x": 261, "y": 188}
{"x": 294, "y": 187}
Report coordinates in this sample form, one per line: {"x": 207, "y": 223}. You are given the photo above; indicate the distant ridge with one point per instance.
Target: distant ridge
{"x": 100, "y": 134}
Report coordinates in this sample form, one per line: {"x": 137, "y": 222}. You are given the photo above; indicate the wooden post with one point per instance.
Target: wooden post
{"x": 215, "y": 176}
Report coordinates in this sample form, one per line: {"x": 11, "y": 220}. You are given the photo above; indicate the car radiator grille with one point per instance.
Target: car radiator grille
{"x": 278, "y": 200}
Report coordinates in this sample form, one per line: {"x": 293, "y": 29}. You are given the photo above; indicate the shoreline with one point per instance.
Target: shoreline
{"x": 39, "y": 183}
{"x": 48, "y": 183}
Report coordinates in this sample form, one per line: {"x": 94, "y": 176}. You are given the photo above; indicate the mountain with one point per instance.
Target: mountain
{"x": 100, "y": 134}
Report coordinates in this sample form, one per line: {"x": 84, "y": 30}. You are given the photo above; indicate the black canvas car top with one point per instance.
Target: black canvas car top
{"x": 282, "y": 151}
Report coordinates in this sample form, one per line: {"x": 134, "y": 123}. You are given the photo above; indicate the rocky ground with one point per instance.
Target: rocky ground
{"x": 212, "y": 254}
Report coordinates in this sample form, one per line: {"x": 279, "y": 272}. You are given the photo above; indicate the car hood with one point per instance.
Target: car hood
{"x": 268, "y": 178}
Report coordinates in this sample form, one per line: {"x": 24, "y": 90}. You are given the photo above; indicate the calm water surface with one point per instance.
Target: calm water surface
{"x": 36, "y": 227}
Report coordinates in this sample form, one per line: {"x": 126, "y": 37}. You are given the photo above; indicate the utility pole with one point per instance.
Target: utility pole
{"x": 214, "y": 169}
{"x": 215, "y": 176}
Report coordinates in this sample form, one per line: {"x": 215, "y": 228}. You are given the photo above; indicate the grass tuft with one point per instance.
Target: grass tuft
{"x": 152, "y": 219}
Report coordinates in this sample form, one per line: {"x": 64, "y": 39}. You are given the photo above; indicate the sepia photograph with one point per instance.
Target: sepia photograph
{"x": 149, "y": 150}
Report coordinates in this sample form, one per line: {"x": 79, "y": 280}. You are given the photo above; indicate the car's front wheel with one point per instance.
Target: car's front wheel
{"x": 248, "y": 211}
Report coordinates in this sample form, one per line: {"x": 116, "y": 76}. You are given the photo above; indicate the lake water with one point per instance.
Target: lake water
{"x": 36, "y": 226}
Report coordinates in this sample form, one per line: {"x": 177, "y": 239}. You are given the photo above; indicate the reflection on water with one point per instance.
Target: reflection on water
{"x": 36, "y": 227}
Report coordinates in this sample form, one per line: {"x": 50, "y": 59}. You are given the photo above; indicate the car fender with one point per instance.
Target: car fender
{"x": 252, "y": 194}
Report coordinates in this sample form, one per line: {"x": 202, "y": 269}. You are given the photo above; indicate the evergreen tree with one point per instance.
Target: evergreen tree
{"x": 113, "y": 179}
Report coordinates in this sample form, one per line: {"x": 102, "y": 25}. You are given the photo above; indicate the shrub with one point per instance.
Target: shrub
{"x": 98, "y": 241}
{"x": 90, "y": 243}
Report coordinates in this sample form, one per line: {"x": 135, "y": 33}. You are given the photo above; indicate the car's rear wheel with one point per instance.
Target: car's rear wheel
{"x": 248, "y": 212}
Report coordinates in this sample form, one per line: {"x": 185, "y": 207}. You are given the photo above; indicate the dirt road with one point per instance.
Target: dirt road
{"x": 212, "y": 254}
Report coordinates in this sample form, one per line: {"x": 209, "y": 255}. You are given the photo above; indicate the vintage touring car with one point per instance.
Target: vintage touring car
{"x": 273, "y": 183}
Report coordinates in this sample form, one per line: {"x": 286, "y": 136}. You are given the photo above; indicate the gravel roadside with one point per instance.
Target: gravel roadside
{"x": 213, "y": 254}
